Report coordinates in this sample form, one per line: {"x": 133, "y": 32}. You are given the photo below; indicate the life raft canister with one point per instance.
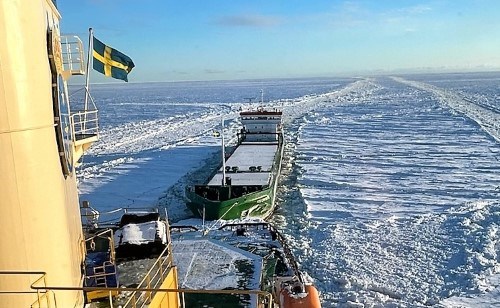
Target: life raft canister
{"x": 311, "y": 300}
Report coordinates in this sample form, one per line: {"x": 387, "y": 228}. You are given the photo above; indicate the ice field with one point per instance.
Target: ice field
{"x": 390, "y": 194}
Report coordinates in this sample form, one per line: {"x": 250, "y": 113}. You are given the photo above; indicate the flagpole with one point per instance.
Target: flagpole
{"x": 89, "y": 62}
{"x": 223, "y": 154}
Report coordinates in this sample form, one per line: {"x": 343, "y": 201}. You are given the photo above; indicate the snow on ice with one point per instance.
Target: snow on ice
{"x": 390, "y": 189}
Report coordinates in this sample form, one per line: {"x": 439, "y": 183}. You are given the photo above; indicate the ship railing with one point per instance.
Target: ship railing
{"x": 264, "y": 225}
{"x": 265, "y": 299}
{"x": 45, "y": 297}
{"x": 107, "y": 235}
{"x": 84, "y": 117}
{"x": 85, "y": 124}
{"x": 45, "y": 294}
{"x": 152, "y": 280}
{"x": 94, "y": 219}
{"x": 72, "y": 55}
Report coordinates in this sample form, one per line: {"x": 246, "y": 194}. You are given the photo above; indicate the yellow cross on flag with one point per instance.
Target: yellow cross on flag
{"x": 110, "y": 62}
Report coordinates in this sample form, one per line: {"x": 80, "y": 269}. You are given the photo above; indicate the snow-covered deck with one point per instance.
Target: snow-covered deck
{"x": 211, "y": 264}
{"x": 259, "y": 155}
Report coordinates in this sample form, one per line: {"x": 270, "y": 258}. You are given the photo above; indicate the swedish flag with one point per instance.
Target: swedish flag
{"x": 111, "y": 62}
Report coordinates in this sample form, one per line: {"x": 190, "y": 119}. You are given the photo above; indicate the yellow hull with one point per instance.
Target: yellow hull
{"x": 40, "y": 228}
{"x": 167, "y": 299}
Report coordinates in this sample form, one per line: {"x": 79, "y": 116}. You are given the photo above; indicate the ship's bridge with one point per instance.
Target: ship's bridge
{"x": 261, "y": 125}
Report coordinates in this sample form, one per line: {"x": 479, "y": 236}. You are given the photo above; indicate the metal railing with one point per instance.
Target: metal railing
{"x": 47, "y": 295}
{"x": 94, "y": 219}
{"x": 44, "y": 296}
{"x": 107, "y": 235}
{"x": 286, "y": 249}
{"x": 152, "y": 280}
{"x": 84, "y": 121}
{"x": 265, "y": 298}
{"x": 72, "y": 55}
{"x": 84, "y": 124}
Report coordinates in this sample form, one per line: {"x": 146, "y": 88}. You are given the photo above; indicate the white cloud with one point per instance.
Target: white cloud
{"x": 352, "y": 14}
{"x": 249, "y": 21}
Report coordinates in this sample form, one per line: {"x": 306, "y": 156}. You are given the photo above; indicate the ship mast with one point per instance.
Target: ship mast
{"x": 87, "y": 77}
{"x": 223, "y": 154}
{"x": 89, "y": 63}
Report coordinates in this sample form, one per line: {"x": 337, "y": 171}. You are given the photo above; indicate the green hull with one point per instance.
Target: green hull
{"x": 258, "y": 203}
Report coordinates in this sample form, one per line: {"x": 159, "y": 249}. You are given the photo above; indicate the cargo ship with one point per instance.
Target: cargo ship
{"x": 245, "y": 183}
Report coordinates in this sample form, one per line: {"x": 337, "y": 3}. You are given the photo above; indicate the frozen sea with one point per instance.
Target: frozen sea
{"x": 390, "y": 194}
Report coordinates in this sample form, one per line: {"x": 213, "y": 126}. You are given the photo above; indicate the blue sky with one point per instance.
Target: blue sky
{"x": 237, "y": 39}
